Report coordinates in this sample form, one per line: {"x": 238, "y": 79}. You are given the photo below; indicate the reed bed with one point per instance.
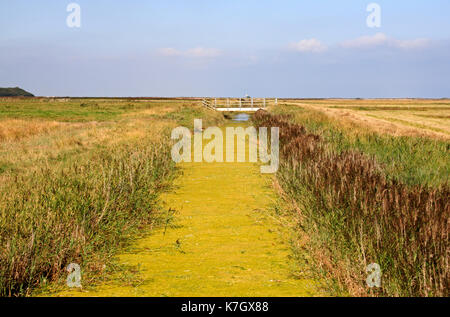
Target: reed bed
{"x": 79, "y": 180}
{"x": 358, "y": 216}
{"x": 78, "y": 213}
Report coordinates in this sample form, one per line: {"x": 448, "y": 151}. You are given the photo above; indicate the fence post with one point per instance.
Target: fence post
{"x": 264, "y": 102}
{"x": 240, "y": 103}
{"x": 276, "y": 101}
{"x": 252, "y": 102}
{"x": 215, "y": 102}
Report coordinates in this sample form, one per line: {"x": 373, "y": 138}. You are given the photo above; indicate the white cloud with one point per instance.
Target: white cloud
{"x": 411, "y": 44}
{"x": 168, "y": 51}
{"x": 193, "y": 52}
{"x": 381, "y": 39}
{"x": 366, "y": 41}
{"x": 311, "y": 45}
{"x": 203, "y": 52}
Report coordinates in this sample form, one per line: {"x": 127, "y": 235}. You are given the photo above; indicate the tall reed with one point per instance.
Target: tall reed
{"x": 360, "y": 216}
{"x": 57, "y": 216}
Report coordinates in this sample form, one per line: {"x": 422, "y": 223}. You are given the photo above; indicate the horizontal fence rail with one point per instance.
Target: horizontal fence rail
{"x": 238, "y": 104}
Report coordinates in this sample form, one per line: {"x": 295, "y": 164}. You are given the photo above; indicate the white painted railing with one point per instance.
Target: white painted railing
{"x": 238, "y": 104}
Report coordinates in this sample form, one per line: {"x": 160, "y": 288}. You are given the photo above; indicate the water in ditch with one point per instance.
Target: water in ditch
{"x": 241, "y": 117}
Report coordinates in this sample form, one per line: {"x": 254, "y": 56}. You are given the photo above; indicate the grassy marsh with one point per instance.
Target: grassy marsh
{"x": 79, "y": 178}
{"x": 413, "y": 159}
{"x": 362, "y": 196}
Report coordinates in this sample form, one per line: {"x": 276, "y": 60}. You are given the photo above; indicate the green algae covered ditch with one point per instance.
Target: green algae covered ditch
{"x": 222, "y": 240}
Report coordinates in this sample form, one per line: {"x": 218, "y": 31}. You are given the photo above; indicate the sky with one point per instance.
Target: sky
{"x": 264, "y": 48}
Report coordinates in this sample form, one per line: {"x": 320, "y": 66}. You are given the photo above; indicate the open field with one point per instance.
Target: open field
{"x": 412, "y": 154}
{"x": 406, "y": 117}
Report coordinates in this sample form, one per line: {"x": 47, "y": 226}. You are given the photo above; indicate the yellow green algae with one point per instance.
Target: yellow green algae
{"x": 224, "y": 242}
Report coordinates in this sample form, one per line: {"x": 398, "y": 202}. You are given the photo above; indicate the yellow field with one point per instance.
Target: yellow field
{"x": 393, "y": 116}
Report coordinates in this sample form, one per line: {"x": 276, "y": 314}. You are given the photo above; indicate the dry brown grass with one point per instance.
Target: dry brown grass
{"x": 305, "y": 248}
{"x": 57, "y": 143}
{"x": 359, "y": 216}
{"x": 76, "y": 189}
{"x": 398, "y": 117}
{"x": 16, "y": 129}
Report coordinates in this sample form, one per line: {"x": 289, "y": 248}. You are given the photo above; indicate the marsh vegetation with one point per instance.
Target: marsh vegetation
{"x": 79, "y": 178}
{"x": 361, "y": 197}
{"x": 362, "y": 181}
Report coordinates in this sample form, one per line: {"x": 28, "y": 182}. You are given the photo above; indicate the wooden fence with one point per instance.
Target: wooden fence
{"x": 238, "y": 104}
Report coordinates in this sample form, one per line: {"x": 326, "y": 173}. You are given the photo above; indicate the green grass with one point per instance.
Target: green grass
{"x": 78, "y": 110}
{"x": 413, "y": 160}
{"x": 354, "y": 212}
{"x": 185, "y": 117}
{"x": 85, "y": 110}
{"x": 83, "y": 190}
{"x": 5, "y": 167}
{"x": 61, "y": 215}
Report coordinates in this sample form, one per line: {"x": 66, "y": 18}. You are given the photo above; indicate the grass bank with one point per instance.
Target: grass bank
{"x": 78, "y": 184}
{"x": 355, "y": 213}
{"x": 414, "y": 160}
{"x": 54, "y": 217}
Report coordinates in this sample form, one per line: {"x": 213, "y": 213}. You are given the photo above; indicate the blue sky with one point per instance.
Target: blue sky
{"x": 267, "y": 48}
